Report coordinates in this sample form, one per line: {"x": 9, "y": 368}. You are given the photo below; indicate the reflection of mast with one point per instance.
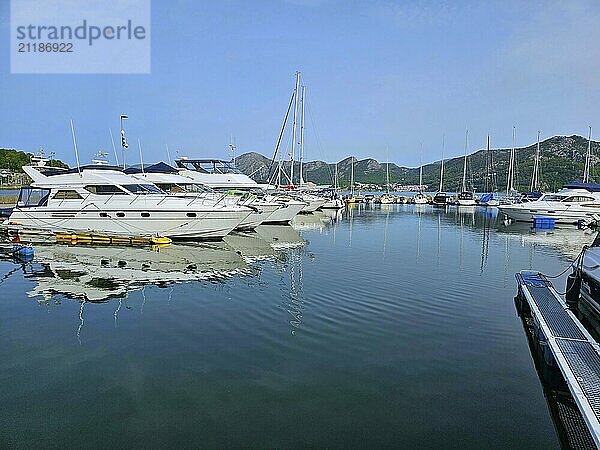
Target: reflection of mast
{"x": 296, "y": 304}
{"x": 460, "y": 245}
{"x": 116, "y": 313}
{"x": 351, "y": 219}
{"x": 439, "y": 238}
{"x": 81, "y": 322}
{"x": 418, "y": 236}
{"x": 485, "y": 245}
{"x": 385, "y": 228}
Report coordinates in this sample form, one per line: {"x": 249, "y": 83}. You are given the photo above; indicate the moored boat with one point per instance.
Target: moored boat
{"x": 103, "y": 199}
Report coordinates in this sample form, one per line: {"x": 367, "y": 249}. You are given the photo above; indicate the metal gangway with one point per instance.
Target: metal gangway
{"x": 575, "y": 351}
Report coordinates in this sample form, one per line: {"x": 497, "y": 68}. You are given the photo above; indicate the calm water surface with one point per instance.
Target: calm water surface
{"x": 390, "y": 326}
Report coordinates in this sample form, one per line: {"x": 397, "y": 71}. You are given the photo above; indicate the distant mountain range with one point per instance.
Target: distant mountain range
{"x": 562, "y": 160}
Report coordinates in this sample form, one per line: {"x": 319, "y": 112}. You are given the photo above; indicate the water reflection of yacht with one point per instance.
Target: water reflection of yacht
{"x": 280, "y": 236}
{"x": 250, "y": 245}
{"x": 314, "y": 221}
{"x": 568, "y": 241}
{"x": 99, "y": 273}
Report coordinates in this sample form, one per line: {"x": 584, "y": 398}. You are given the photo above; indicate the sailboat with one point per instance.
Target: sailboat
{"x": 420, "y": 198}
{"x": 441, "y": 198}
{"x": 387, "y": 198}
{"x": 489, "y": 198}
{"x": 534, "y": 188}
{"x": 512, "y": 195}
{"x": 352, "y": 198}
{"x": 465, "y": 198}
{"x": 334, "y": 202}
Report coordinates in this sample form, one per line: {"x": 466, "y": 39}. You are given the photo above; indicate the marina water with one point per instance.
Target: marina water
{"x": 388, "y": 325}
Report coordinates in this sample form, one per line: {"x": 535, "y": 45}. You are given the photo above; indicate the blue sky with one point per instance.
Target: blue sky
{"x": 395, "y": 73}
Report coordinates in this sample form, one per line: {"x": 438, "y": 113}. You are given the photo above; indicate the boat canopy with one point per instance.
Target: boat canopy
{"x": 486, "y": 197}
{"x": 591, "y": 187}
{"x": 159, "y": 167}
{"x": 207, "y": 165}
{"x": 58, "y": 171}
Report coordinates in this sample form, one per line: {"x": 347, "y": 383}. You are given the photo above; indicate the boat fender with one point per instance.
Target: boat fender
{"x": 573, "y": 287}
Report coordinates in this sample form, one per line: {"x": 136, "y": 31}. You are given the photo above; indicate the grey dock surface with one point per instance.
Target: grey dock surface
{"x": 576, "y": 353}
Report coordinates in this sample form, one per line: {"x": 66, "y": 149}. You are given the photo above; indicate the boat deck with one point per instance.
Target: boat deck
{"x": 574, "y": 350}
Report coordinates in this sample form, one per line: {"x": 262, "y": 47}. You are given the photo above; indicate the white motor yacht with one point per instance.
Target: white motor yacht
{"x": 224, "y": 176}
{"x": 103, "y": 199}
{"x": 169, "y": 180}
{"x": 574, "y": 202}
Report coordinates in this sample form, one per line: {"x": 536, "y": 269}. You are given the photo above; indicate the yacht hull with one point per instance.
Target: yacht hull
{"x": 257, "y": 217}
{"x": 312, "y": 205}
{"x": 528, "y": 212}
{"x": 334, "y": 203}
{"x": 286, "y": 212}
{"x": 173, "y": 224}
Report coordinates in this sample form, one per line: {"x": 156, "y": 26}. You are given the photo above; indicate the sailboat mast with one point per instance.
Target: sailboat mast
{"x": 387, "y": 170}
{"x": 421, "y": 169}
{"x": 509, "y": 182}
{"x": 294, "y": 127}
{"x": 487, "y": 165}
{"x": 301, "y": 179}
{"x": 335, "y": 179}
{"x": 442, "y": 165}
{"x": 352, "y": 176}
{"x": 535, "y": 178}
{"x": 588, "y": 157}
{"x": 464, "y": 181}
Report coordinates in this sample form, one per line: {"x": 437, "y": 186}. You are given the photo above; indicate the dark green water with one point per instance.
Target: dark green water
{"x": 385, "y": 327}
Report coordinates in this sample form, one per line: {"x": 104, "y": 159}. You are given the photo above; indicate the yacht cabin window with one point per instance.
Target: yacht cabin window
{"x": 578, "y": 198}
{"x": 104, "y": 189}
{"x": 67, "y": 195}
{"x": 142, "y": 189}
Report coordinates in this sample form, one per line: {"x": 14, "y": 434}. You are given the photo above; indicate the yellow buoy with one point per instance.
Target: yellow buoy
{"x": 78, "y": 238}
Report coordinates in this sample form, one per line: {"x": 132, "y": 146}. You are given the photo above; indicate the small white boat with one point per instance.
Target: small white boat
{"x": 420, "y": 199}
{"x": 466, "y": 199}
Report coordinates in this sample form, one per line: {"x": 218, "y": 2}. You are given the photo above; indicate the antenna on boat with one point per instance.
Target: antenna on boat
{"x": 124, "y": 144}
{"x": 112, "y": 139}
{"x": 75, "y": 146}
{"x": 141, "y": 158}
{"x": 168, "y": 154}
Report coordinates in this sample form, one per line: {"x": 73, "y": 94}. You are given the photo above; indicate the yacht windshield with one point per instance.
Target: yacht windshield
{"x": 29, "y": 197}
{"x": 142, "y": 189}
